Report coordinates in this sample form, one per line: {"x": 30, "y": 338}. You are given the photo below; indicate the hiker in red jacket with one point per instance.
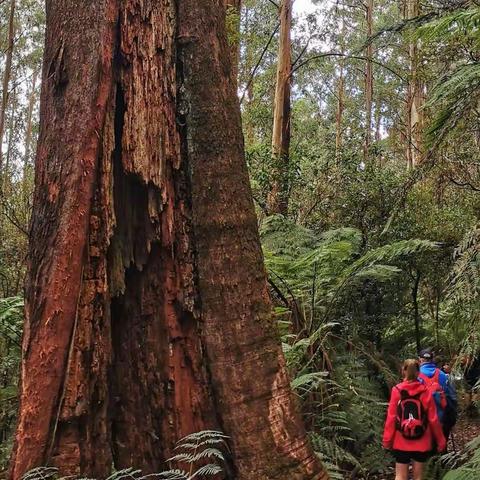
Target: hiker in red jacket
{"x": 412, "y": 429}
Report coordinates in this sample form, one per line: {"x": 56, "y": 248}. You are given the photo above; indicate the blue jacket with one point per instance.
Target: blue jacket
{"x": 428, "y": 369}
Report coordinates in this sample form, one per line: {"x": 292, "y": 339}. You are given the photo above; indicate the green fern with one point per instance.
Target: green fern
{"x": 11, "y": 319}
{"x": 456, "y": 94}
{"x": 195, "y": 450}
{"x": 463, "y": 465}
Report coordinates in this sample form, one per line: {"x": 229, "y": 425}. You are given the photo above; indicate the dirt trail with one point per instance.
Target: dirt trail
{"x": 465, "y": 431}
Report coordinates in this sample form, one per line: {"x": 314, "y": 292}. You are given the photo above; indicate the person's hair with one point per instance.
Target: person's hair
{"x": 410, "y": 369}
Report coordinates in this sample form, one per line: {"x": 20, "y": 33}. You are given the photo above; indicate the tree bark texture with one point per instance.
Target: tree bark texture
{"x": 6, "y": 76}
{"x": 147, "y": 311}
{"x": 277, "y": 201}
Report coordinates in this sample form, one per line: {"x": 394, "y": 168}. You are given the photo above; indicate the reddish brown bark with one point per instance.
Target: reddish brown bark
{"x": 137, "y": 340}
{"x": 77, "y": 79}
{"x": 277, "y": 201}
{"x": 245, "y": 360}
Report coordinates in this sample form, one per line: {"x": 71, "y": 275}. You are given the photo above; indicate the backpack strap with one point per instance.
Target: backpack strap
{"x": 436, "y": 376}
{"x": 425, "y": 378}
{"x": 404, "y": 393}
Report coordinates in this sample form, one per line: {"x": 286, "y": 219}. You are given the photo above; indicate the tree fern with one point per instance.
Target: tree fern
{"x": 457, "y": 92}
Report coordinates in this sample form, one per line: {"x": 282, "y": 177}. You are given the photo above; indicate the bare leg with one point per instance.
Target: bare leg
{"x": 417, "y": 470}
{"x": 401, "y": 471}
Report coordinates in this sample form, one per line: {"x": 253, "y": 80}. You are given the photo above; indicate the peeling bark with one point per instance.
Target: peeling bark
{"x": 148, "y": 315}
{"x": 77, "y": 80}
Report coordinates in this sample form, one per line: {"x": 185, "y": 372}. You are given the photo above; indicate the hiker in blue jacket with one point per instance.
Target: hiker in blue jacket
{"x": 442, "y": 389}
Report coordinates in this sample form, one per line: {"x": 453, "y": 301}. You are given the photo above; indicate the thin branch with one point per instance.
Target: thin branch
{"x": 464, "y": 184}
{"x": 345, "y": 55}
{"x": 304, "y": 49}
{"x": 12, "y": 330}
{"x": 254, "y": 71}
{"x": 11, "y": 216}
{"x": 279, "y": 293}
{"x": 287, "y": 287}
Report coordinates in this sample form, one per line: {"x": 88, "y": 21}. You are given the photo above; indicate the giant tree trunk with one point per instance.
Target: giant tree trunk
{"x": 6, "y": 77}
{"x": 277, "y": 201}
{"x": 147, "y": 312}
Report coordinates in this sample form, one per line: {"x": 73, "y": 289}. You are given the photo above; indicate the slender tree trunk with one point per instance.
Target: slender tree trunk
{"x": 415, "y": 96}
{"x": 12, "y": 127}
{"x": 277, "y": 201}
{"x": 416, "y": 309}
{"x": 6, "y": 77}
{"x": 29, "y": 122}
{"x": 339, "y": 112}
{"x": 147, "y": 308}
{"x": 378, "y": 121}
{"x": 28, "y": 140}
{"x": 378, "y": 127}
{"x": 233, "y": 8}
{"x": 340, "y": 94}
{"x": 248, "y": 66}
{"x": 368, "y": 80}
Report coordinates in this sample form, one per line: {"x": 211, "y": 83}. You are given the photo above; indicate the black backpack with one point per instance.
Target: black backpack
{"x": 411, "y": 416}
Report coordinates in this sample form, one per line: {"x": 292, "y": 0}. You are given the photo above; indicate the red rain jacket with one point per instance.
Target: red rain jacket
{"x": 433, "y": 437}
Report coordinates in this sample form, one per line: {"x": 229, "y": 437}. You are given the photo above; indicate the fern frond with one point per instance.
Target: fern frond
{"x": 195, "y": 457}
{"x": 174, "y": 475}
{"x": 41, "y": 473}
{"x": 207, "y": 470}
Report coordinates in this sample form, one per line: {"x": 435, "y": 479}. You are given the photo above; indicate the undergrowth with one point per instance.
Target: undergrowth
{"x": 199, "y": 456}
